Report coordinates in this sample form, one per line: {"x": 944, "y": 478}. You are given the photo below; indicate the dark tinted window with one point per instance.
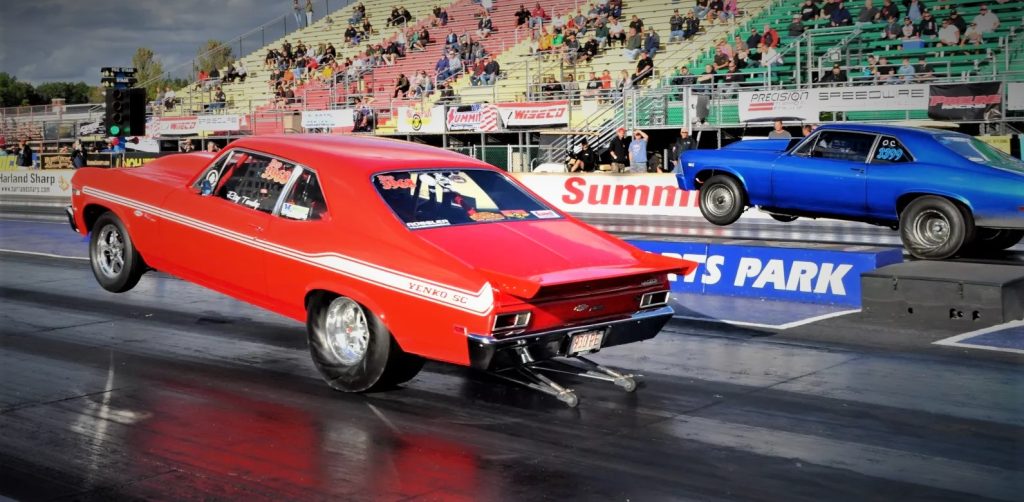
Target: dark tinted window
{"x": 437, "y": 198}
{"x": 254, "y": 180}
{"x": 305, "y": 201}
{"x": 891, "y": 151}
{"x": 839, "y": 145}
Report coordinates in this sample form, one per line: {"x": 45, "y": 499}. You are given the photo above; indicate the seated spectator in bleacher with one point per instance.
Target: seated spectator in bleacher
{"x": 675, "y": 27}
{"x": 601, "y": 33}
{"x": 624, "y": 83}
{"x": 742, "y": 59}
{"x": 593, "y": 88}
{"x": 949, "y": 35}
{"x": 451, "y": 39}
{"x": 390, "y": 54}
{"x": 394, "y": 18}
{"x": 634, "y": 45}
{"x": 769, "y": 36}
{"x": 358, "y": 13}
{"x": 537, "y": 16}
{"x": 402, "y": 86}
{"x": 484, "y": 26}
{"x": 492, "y": 70}
{"x": 366, "y": 29}
{"x": 557, "y": 21}
{"x": 809, "y": 11}
{"x": 682, "y": 77}
{"x": 300, "y": 49}
{"x": 906, "y": 72}
{"x": 543, "y": 41}
{"x": 715, "y": 8}
{"x": 892, "y": 30}
{"x": 723, "y": 54}
{"x": 571, "y": 49}
{"x": 580, "y": 23}
{"x": 868, "y": 13}
{"x": 730, "y": 9}
{"x": 986, "y": 20}
{"x": 835, "y": 76}
{"x": 644, "y": 69}
{"x": 401, "y": 41}
{"x": 219, "y": 99}
{"x": 691, "y": 25}
{"x": 733, "y": 79}
{"x": 616, "y": 32}
{"x": 928, "y": 27}
{"x": 270, "y": 62}
{"x": 636, "y": 23}
{"x": 915, "y": 10}
{"x": 705, "y": 81}
{"x": 476, "y": 73}
{"x": 615, "y": 9}
{"x": 558, "y": 44}
{"x": 423, "y": 39}
{"x": 840, "y": 15}
{"x": 909, "y": 30}
{"x": 701, "y": 8}
{"x": 570, "y": 88}
{"x": 754, "y": 39}
{"x": 973, "y": 35}
{"x": 522, "y": 16}
{"x": 958, "y": 21}
{"x": 652, "y": 42}
{"x": 351, "y": 35}
{"x": 796, "y": 27}
{"x": 769, "y": 56}
{"x": 888, "y": 10}
{"x": 454, "y": 64}
{"x": 589, "y": 50}
{"x": 201, "y": 79}
{"x": 827, "y": 9}
{"x": 923, "y": 72}
{"x": 441, "y": 71}
{"x": 406, "y": 15}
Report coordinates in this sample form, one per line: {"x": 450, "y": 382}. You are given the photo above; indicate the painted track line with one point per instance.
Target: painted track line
{"x": 45, "y": 255}
{"x": 788, "y": 325}
{"x": 955, "y": 341}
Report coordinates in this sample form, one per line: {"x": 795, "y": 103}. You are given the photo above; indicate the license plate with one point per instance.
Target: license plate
{"x": 585, "y": 341}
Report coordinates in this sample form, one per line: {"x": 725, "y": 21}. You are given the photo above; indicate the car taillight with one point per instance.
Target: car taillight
{"x": 512, "y": 321}
{"x": 655, "y": 299}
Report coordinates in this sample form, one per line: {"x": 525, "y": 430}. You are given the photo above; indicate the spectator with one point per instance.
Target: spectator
{"x": 796, "y": 27}
{"x": 923, "y": 72}
{"x": 769, "y": 56}
{"x": 572, "y": 49}
{"x": 601, "y": 34}
{"x": 835, "y": 76}
{"x": 769, "y": 37}
{"x": 644, "y": 68}
{"x": 888, "y": 10}
{"x": 219, "y": 99}
{"x": 701, "y": 9}
{"x": 682, "y": 77}
{"x": 402, "y": 86}
{"x": 297, "y": 10}
{"x": 779, "y": 132}
{"x": 729, "y": 11}
{"x": 186, "y": 146}
{"x": 616, "y": 32}
{"x": 972, "y": 36}
{"x": 681, "y": 146}
{"x": 892, "y": 30}
{"x": 570, "y": 88}
{"x": 168, "y": 98}
{"x": 715, "y": 8}
{"x": 928, "y": 27}
{"x": 585, "y": 160}
{"x": 522, "y": 16}
{"x": 24, "y": 157}
{"x": 405, "y": 17}
{"x": 732, "y": 80}
{"x": 906, "y": 71}
{"x": 358, "y": 13}
{"x": 309, "y": 12}
{"x": 915, "y": 11}
{"x": 754, "y": 39}
{"x": 558, "y": 21}
{"x": 809, "y": 11}
{"x": 868, "y": 13}
{"x": 908, "y": 30}
{"x": 949, "y": 35}
{"x": 986, "y": 21}
{"x": 606, "y": 83}
{"x": 638, "y": 152}
{"x": 212, "y": 147}
{"x": 840, "y": 16}
{"x": 633, "y": 45}
{"x": 958, "y": 21}
{"x": 484, "y": 26}
{"x": 537, "y": 16}
{"x": 590, "y": 50}
{"x": 77, "y": 155}
{"x": 624, "y": 83}
{"x": 723, "y": 54}
{"x": 691, "y": 25}
{"x": 675, "y": 24}
{"x": 652, "y": 42}
{"x": 618, "y": 150}
{"x": 593, "y": 88}
{"x": 491, "y": 70}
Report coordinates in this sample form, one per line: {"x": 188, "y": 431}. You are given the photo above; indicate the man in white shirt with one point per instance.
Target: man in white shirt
{"x": 986, "y": 21}
{"x": 948, "y": 34}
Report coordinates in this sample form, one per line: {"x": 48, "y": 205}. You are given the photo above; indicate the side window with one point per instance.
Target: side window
{"x": 891, "y": 151}
{"x": 305, "y": 201}
{"x": 847, "y": 146}
{"x": 254, "y": 180}
{"x": 208, "y": 182}
{"x": 805, "y": 149}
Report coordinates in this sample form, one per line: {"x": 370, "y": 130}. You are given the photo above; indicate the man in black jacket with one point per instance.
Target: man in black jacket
{"x": 584, "y": 160}
{"x": 684, "y": 143}
{"x": 24, "y": 158}
{"x": 618, "y": 149}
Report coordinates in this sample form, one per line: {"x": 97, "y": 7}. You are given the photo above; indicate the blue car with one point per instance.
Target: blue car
{"x": 946, "y": 192}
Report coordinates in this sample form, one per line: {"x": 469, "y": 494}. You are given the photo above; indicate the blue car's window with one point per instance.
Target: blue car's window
{"x": 975, "y": 150}
{"x": 841, "y": 145}
{"x": 891, "y": 151}
{"x": 438, "y": 198}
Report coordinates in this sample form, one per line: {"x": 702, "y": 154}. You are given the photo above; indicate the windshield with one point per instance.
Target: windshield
{"x": 438, "y": 198}
{"x": 975, "y": 150}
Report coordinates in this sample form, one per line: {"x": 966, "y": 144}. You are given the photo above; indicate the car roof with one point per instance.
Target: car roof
{"x": 894, "y": 130}
{"x": 341, "y": 154}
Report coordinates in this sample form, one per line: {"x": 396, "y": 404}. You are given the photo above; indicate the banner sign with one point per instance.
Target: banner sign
{"x": 55, "y": 161}
{"x": 219, "y": 123}
{"x": 1015, "y": 96}
{"x": 415, "y": 119}
{"x": 976, "y": 101}
{"x": 807, "y": 105}
{"x": 541, "y": 113}
{"x": 56, "y": 183}
{"x": 614, "y": 194}
{"x": 325, "y": 119}
{"x": 175, "y": 126}
{"x": 829, "y": 276}
{"x": 483, "y": 118}
{"x": 190, "y": 125}
{"x": 8, "y": 162}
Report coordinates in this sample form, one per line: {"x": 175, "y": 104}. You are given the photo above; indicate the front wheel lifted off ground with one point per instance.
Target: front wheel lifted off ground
{"x": 115, "y": 262}
{"x": 934, "y": 228}
{"x": 352, "y": 348}
{"x": 722, "y": 199}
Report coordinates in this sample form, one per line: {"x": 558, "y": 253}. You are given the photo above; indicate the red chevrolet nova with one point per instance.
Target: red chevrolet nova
{"x": 389, "y": 251}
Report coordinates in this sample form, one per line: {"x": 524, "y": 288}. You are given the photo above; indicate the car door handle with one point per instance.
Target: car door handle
{"x": 857, "y": 169}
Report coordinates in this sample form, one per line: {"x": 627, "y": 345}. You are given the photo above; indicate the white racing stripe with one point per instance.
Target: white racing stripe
{"x": 478, "y": 302}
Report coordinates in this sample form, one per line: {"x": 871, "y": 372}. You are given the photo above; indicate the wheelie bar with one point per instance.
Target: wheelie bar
{"x": 528, "y": 375}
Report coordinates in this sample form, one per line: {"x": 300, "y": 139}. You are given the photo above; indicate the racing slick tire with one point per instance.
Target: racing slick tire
{"x": 722, "y": 199}
{"x": 934, "y": 228}
{"x": 988, "y": 240}
{"x": 115, "y": 262}
{"x": 784, "y": 218}
{"x": 352, "y": 348}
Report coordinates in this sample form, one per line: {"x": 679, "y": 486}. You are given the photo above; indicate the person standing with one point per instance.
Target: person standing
{"x": 779, "y": 132}
{"x": 638, "y": 152}
{"x": 681, "y": 146}
{"x": 618, "y": 150}
{"x": 24, "y": 158}
{"x": 309, "y": 12}
{"x": 297, "y": 10}
{"x": 77, "y": 155}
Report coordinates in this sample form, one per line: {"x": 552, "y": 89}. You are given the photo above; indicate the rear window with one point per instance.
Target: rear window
{"x": 438, "y": 198}
{"x": 978, "y": 151}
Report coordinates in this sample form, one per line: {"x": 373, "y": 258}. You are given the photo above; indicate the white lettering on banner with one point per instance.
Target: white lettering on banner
{"x": 712, "y": 267}
{"x": 176, "y": 125}
{"x": 218, "y": 123}
{"x": 808, "y": 105}
{"x": 322, "y": 119}
{"x": 534, "y": 114}
{"x": 800, "y": 274}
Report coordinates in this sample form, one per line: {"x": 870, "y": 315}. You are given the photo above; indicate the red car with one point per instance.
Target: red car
{"x": 389, "y": 251}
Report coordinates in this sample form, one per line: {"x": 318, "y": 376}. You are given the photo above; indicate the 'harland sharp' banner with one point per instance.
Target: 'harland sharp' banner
{"x": 52, "y": 183}
{"x": 483, "y": 118}
{"x": 323, "y": 119}
{"x": 808, "y": 104}
{"x": 977, "y": 101}
{"x": 541, "y": 113}
{"x": 415, "y": 119}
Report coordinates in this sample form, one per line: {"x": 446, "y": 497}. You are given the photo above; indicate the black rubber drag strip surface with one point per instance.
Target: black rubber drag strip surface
{"x": 171, "y": 392}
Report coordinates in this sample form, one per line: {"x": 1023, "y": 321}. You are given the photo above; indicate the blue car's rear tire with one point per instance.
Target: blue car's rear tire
{"x": 722, "y": 199}
{"x": 996, "y": 239}
{"x": 934, "y": 228}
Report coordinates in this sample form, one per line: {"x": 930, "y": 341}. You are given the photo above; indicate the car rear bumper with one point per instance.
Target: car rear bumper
{"x": 488, "y": 353}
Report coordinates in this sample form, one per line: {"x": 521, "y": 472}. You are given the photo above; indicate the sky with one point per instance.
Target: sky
{"x": 69, "y": 40}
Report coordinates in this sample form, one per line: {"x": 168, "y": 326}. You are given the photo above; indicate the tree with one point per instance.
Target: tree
{"x": 14, "y": 93}
{"x": 148, "y": 70}
{"x": 73, "y": 92}
{"x": 213, "y": 54}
